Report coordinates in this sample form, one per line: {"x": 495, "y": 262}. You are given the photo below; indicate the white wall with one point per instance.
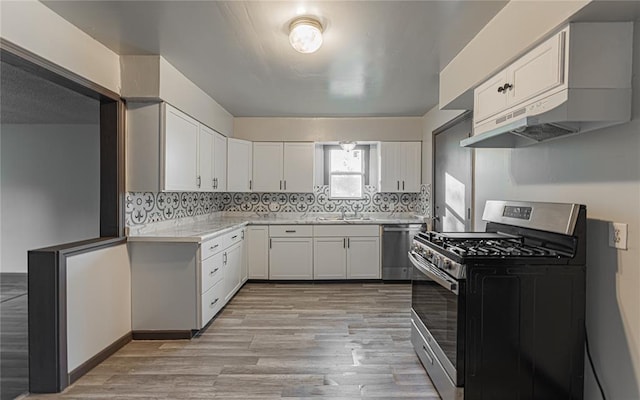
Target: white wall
{"x": 328, "y": 129}
{"x": 431, "y": 121}
{"x": 98, "y": 302}
{"x": 32, "y": 26}
{"x": 49, "y": 175}
{"x": 602, "y": 170}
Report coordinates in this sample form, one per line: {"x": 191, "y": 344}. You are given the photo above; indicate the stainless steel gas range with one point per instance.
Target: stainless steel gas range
{"x": 500, "y": 314}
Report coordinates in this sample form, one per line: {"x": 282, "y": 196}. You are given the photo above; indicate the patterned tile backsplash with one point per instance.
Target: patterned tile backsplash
{"x": 142, "y": 208}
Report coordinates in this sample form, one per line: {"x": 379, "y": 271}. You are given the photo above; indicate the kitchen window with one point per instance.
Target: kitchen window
{"x": 346, "y": 172}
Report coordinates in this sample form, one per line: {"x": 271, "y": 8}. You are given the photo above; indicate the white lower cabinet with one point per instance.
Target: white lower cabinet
{"x": 346, "y": 252}
{"x": 258, "y": 251}
{"x": 182, "y": 286}
{"x": 330, "y": 258}
{"x": 290, "y": 252}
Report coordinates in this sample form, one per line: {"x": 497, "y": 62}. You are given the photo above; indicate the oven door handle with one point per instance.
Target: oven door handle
{"x": 437, "y": 276}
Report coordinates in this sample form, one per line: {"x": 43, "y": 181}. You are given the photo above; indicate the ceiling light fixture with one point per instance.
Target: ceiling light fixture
{"x": 347, "y": 145}
{"x": 305, "y": 35}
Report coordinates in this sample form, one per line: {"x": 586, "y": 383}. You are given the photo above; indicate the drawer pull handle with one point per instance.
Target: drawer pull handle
{"x": 214, "y": 247}
{"x": 213, "y": 303}
{"x": 214, "y": 271}
{"x": 233, "y": 237}
{"x": 290, "y": 231}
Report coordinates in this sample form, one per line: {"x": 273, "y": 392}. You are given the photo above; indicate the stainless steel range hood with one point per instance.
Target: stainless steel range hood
{"x": 561, "y": 114}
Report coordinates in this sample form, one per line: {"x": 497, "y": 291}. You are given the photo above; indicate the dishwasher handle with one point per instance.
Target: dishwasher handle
{"x": 410, "y": 228}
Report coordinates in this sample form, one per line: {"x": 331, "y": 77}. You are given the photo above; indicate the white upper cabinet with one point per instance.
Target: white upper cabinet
{"x": 167, "y": 150}
{"x": 239, "y": 161}
{"x": 400, "y": 166}
{"x": 219, "y": 174}
{"x": 540, "y": 70}
{"x": 298, "y": 167}
{"x": 180, "y": 151}
{"x": 205, "y": 159}
{"x": 268, "y": 163}
{"x": 283, "y": 167}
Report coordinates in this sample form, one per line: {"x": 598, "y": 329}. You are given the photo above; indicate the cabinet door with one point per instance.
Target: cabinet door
{"x": 487, "y": 100}
{"x": 540, "y": 70}
{"x": 219, "y": 163}
{"x": 267, "y": 167}
{"x": 233, "y": 262}
{"x": 389, "y": 167}
{"x": 298, "y": 167}
{"x": 411, "y": 166}
{"x": 291, "y": 258}
{"x": 244, "y": 266}
{"x": 258, "y": 252}
{"x": 180, "y": 151}
{"x": 363, "y": 258}
{"x": 239, "y": 160}
{"x": 330, "y": 258}
{"x": 205, "y": 159}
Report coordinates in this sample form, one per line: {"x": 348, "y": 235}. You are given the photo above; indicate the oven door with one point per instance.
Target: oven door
{"x": 437, "y": 301}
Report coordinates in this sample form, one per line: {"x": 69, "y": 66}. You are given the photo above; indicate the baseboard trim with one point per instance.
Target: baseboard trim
{"x": 98, "y": 358}
{"x": 162, "y": 335}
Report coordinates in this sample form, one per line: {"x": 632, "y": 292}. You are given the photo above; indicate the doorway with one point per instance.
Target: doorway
{"x": 453, "y": 176}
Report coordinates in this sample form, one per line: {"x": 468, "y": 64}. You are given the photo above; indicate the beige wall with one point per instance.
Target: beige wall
{"x": 517, "y": 27}
{"x": 328, "y": 129}
{"x": 600, "y": 169}
{"x": 34, "y": 27}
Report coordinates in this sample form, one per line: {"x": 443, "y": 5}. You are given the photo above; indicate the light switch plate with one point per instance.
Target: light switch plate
{"x": 618, "y": 235}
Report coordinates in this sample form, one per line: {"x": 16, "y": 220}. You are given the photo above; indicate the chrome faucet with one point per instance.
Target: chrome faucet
{"x": 344, "y": 213}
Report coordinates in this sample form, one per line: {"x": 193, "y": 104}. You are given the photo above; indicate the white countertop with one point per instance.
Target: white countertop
{"x": 204, "y": 227}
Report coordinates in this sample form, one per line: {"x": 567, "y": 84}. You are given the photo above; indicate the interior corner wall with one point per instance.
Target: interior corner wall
{"x": 49, "y": 175}
{"x": 34, "y": 27}
{"x": 432, "y": 120}
{"x": 259, "y": 129}
{"x": 600, "y": 169}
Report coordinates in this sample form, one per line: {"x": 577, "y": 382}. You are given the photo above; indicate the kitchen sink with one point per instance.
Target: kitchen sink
{"x": 338, "y": 218}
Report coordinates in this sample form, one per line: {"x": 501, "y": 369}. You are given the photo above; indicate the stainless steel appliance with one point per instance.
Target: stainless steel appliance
{"x": 500, "y": 314}
{"x": 396, "y": 242}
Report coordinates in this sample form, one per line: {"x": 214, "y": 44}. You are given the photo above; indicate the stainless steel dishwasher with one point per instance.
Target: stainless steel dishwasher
{"x": 396, "y": 242}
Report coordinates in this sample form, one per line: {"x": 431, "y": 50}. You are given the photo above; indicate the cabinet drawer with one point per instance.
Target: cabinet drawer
{"x": 212, "y": 302}
{"x": 234, "y": 237}
{"x": 211, "y": 271}
{"x": 346, "y": 230}
{"x": 211, "y": 247}
{"x": 290, "y": 230}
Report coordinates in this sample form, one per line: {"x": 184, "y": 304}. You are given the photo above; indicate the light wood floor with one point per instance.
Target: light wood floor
{"x": 278, "y": 341}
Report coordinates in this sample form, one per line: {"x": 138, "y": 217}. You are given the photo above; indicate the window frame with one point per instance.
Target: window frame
{"x": 365, "y": 169}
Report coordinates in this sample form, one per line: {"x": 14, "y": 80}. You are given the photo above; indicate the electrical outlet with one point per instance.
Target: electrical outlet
{"x": 618, "y": 235}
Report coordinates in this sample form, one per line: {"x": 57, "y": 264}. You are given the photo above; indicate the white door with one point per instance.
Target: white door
{"x": 538, "y": 71}
{"x": 389, "y": 167}
{"x": 180, "y": 151}
{"x": 363, "y": 258}
{"x": 411, "y": 166}
{"x": 267, "y": 167}
{"x": 239, "y": 160}
{"x": 205, "y": 159}
{"x": 490, "y": 97}
{"x": 291, "y": 258}
{"x": 233, "y": 270}
{"x": 219, "y": 163}
{"x": 298, "y": 167}
{"x": 258, "y": 252}
{"x": 330, "y": 258}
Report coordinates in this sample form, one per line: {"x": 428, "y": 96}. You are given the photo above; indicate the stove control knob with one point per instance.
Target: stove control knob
{"x": 446, "y": 264}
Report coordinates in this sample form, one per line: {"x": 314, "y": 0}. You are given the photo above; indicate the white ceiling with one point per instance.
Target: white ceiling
{"x": 378, "y": 58}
